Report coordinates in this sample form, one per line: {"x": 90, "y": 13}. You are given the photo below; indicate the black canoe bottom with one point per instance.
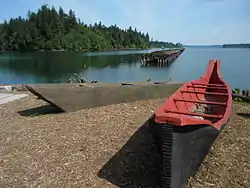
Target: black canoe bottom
{"x": 182, "y": 150}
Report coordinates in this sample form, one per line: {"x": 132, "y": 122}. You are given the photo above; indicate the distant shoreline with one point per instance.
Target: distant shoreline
{"x": 236, "y": 45}
{"x": 103, "y": 50}
{"x": 219, "y": 46}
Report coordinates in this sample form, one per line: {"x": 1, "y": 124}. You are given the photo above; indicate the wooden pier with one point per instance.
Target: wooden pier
{"x": 160, "y": 58}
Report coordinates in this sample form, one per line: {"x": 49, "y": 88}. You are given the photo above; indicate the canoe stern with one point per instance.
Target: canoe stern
{"x": 182, "y": 150}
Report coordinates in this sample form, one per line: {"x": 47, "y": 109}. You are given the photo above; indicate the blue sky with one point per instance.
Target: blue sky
{"x": 185, "y": 21}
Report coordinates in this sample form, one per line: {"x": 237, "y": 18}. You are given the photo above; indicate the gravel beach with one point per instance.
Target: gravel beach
{"x": 109, "y": 146}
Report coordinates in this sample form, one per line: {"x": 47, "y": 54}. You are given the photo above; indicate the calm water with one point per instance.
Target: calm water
{"x": 51, "y": 67}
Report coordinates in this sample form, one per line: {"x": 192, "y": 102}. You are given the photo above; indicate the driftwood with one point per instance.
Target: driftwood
{"x": 240, "y": 95}
{"x": 242, "y": 98}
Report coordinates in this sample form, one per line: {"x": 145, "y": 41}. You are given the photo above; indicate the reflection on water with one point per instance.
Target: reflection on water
{"x": 45, "y": 67}
{"x": 52, "y": 67}
{"x": 120, "y": 52}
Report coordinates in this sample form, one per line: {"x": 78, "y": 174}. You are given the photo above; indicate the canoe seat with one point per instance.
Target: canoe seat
{"x": 195, "y": 114}
{"x": 205, "y": 93}
{"x": 215, "y": 85}
{"x": 206, "y": 87}
{"x": 202, "y": 102}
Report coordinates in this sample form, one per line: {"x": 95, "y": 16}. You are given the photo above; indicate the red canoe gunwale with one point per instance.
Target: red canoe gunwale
{"x": 210, "y": 89}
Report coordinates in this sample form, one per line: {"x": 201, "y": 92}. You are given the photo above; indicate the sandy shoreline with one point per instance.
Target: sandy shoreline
{"x": 106, "y": 147}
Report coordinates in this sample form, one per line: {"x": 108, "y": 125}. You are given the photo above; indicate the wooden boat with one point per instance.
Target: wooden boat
{"x": 73, "y": 97}
{"x": 186, "y": 125}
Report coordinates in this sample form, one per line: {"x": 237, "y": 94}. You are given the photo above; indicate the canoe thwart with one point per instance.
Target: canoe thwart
{"x": 206, "y": 87}
{"x": 206, "y": 93}
{"x": 195, "y": 114}
{"x": 201, "y": 102}
{"x": 204, "y": 84}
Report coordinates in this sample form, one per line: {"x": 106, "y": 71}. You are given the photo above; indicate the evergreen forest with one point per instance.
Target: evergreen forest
{"x": 51, "y": 29}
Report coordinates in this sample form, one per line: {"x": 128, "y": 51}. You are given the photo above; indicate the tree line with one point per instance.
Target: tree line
{"x": 49, "y": 29}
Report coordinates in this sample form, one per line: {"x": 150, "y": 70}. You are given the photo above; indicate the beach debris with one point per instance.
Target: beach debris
{"x": 7, "y": 97}
{"x": 5, "y": 88}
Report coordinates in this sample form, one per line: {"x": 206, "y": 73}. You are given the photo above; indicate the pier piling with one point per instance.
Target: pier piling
{"x": 160, "y": 58}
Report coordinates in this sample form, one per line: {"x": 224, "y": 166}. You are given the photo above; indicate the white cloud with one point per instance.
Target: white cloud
{"x": 163, "y": 19}
{"x": 81, "y": 8}
{"x": 138, "y": 14}
{"x": 235, "y": 33}
{"x": 221, "y": 34}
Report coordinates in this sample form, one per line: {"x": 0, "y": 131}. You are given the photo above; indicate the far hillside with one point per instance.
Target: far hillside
{"x": 49, "y": 29}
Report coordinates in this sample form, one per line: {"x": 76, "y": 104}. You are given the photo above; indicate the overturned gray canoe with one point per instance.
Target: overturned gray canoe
{"x": 73, "y": 97}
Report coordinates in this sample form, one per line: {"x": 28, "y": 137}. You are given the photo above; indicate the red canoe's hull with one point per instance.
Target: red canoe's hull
{"x": 187, "y": 124}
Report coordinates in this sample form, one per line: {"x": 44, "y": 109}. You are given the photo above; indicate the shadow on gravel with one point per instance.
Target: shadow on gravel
{"x": 244, "y": 115}
{"x": 136, "y": 164}
{"x": 41, "y": 110}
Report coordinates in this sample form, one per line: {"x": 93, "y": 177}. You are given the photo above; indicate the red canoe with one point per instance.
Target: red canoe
{"x": 187, "y": 124}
